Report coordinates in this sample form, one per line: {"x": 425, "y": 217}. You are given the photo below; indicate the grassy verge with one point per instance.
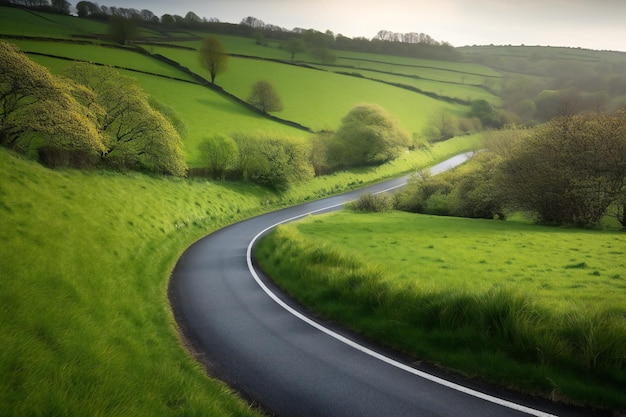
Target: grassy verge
{"x": 539, "y": 309}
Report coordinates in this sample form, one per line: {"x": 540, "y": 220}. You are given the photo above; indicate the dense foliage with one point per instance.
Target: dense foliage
{"x": 275, "y": 162}
{"x": 39, "y": 110}
{"x": 368, "y": 135}
{"x": 264, "y": 97}
{"x": 569, "y": 171}
{"x": 97, "y": 116}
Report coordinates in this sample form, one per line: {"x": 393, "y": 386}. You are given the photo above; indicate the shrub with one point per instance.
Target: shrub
{"x": 272, "y": 161}
{"x": 369, "y": 203}
{"x": 569, "y": 171}
{"x": 368, "y": 136}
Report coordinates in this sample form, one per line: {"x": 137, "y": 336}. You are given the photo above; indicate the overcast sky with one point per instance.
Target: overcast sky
{"x": 594, "y": 24}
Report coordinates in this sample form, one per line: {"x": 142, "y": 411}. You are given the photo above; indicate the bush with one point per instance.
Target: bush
{"x": 569, "y": 171}
{"x": 368, "y": 136}
{"x": 371, "y": 203}
{"x": 272, "y": 161}
{"x": 218, "y": 154}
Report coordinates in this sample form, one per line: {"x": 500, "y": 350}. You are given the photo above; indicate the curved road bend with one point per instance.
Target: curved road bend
{"x": 258, "y": 341}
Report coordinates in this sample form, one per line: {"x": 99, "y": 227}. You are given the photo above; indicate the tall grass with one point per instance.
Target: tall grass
{"x": 509, "y": 334}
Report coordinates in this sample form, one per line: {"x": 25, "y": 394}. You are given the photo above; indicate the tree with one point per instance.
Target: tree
{"x": 213, "y": 57}
{"x": 368, "y": 135}
{"x": 87, "y": 8}
{"x": 61, "y": 6}
{"x": 294, "y": 46}
{"x": 441, "y": 126}
{"x": 326, "y": 56}
{"x": 38, "y": 110}
{"x": 138, "y": 135}
{"x": 219, "y": 154}
{"x": 264, "y": 97}
{"x": 122, "y": 29}
{"x": 259, "y": 38}
{"x": 192, "y": 19}
{"x": 168, "y": 19}
{"x": 570, "y": 170}
{"x": 482, "y": 110}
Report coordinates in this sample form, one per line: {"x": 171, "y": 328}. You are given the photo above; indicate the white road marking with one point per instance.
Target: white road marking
{"x": 372, "y": 353}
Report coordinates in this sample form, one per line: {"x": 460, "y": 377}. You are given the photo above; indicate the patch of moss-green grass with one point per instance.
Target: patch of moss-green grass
{"x": 537, "y": 308}
{"x": 102, "y": 55}
{"x": 22, "y": 22}
{"x": 455, "y": 90}
{"x": 318, "y": 99}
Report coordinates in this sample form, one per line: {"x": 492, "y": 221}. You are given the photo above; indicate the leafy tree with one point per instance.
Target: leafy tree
{"x": 219, "y": 154}
{"x": 295, "y": 46}
{"x": 482, "y": 110}
{"x": 87, "y": 8}
{"x": 368, "y": 135}
{"x": 570, "y": 170}
{"x": 38, "y": 110}
{"x": 122, "y": 30}
{"x": 325, "y": 55}
{"x": 168, "y": 19}
{"x": 61, "y": 6}
{"x": 264, "y": 97}
{"x": 441, "y": 126}
{"x": 138, "y": 135}
{"x": 213, "y": 56}
{"x": 259, "y": 38}
{"x": 272, "y": 161}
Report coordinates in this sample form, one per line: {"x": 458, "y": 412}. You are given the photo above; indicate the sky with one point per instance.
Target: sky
{"x": 592, "y": 24}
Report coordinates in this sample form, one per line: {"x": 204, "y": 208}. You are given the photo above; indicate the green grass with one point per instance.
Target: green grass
{"x": 86, "y": 327}
{"x": 203, "y": 111}
{"x": 537, "y": 308}
{"x": 21, "y": 22}
{"x": 318, "y": 99}
{"x": 102, "y": 55}
{"x": 85, "y": 258}
{"x": 454, "y": 90}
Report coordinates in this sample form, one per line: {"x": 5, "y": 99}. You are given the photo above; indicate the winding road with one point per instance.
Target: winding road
{"x": 249, "y": 334}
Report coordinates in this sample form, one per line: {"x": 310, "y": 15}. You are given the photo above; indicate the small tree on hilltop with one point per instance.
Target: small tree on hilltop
{"x": 122, "y": 30}
{"x": 213, "y": 57}
{"x": 294, "y": 46}
{"x": 264, "y": 97}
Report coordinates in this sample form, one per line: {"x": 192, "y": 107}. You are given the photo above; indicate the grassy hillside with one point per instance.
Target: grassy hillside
{"x": 537, "y": 308}
{"x": 86, "y": 326}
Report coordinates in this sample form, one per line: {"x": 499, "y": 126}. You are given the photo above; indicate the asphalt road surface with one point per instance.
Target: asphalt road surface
{"x": 249, "y": 334}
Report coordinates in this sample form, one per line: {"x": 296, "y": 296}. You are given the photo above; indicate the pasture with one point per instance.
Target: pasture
{"x": 537, "y": 308}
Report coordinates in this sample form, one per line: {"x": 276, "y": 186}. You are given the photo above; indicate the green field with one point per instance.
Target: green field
{"x": 537, "y": 308}
{"x": 102, "y": 55}
{"x": 86, "y": 256}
